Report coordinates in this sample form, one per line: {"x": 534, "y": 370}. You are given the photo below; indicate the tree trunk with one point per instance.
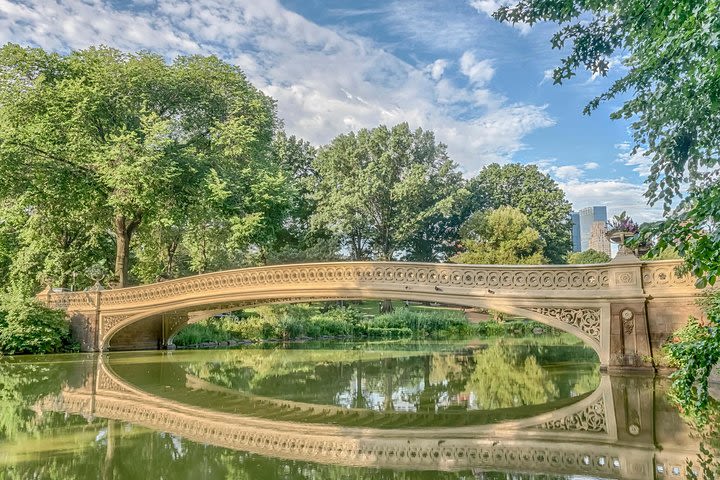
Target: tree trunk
{"x": 124, "y": 230}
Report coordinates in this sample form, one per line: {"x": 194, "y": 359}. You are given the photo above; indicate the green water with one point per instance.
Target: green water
{"x": 522, "y": 408}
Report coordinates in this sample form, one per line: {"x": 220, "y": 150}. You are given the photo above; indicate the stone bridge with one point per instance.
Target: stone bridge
{"x": 621, "y": 430}
{"x": 625, "y": 309}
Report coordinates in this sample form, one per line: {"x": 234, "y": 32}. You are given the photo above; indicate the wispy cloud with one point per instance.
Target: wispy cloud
{"x": 479, "y": 72}
{"x": 639, "y": 159}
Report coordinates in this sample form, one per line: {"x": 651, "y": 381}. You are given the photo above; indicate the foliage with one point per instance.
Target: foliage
{"x": 285, "y": 322}
{"x": 693, "y": 232}
{"x": 622, "y": 223}
{"x": 532, "y": 192}
{"x": 705, "y": 426}
{"x": 587, "y": 257}
{"x": 99, "y": 141}
{"x": 667, "y": 253}
{"x": 27, "y": 326}
{"x": 501, "y": 236}
{"x": 387, "y": 192}
{"x": 406, "y": 322}
{"x": 694, "y": 350}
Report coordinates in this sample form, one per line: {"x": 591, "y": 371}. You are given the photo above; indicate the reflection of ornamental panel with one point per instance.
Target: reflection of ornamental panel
{"x": 591, "y": 419}
{"x": 586, "y": 320}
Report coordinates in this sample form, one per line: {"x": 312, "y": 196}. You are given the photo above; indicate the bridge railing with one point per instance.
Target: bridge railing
{"x": 501, "y": 278}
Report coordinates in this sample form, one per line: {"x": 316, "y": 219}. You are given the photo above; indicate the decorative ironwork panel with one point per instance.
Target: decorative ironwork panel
{"x": 585, "y": 319}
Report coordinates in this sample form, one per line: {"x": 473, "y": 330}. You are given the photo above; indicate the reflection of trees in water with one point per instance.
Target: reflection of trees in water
{"x": 504, "y": 377}
{"x": 22, "y": 382}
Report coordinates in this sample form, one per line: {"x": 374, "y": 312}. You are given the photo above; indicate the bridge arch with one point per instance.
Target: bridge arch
{"x": 581, "y": 319}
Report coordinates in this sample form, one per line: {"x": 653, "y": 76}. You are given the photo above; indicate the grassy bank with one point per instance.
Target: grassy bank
{"x": 303, "y": 321}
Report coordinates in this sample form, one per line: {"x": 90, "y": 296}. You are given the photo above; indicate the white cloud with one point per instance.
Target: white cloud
{"x": 437, "y": 68}
{"x": 639, "y": 160}
{"x": 567, "y": 172}
{"x": 478, "y": 71}
{"x": 547, "y": 76}
{"x": 325, "y": 82}
{"x": 591, "y": 166}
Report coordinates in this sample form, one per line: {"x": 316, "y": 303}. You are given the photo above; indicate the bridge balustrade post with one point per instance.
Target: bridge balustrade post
{"x": 629, "y": 334}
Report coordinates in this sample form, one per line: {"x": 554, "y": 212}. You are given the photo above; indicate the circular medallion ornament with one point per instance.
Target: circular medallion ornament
{"x": 627, "y": 316}
{"x": 634, "y": 429}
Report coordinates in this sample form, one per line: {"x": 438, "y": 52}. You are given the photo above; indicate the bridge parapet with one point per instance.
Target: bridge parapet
{"x": 577, "y": 280}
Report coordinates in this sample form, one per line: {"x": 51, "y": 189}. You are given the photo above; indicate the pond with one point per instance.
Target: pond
{"x": 496, "y": 408}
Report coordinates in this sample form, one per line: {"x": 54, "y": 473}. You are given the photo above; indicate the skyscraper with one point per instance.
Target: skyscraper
{"x": 589, "y": 228}
{"x": 575, "y": 219}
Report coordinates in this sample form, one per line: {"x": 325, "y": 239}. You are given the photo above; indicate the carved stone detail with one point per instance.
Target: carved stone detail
{"x": 665, "y": 275}
{"x": 363, "y": 273}
{"x": 591, "y": 419}
{"x": 585, "y": 319}
{"x": 109, "y": 321}
{"x": 624, "y": 278}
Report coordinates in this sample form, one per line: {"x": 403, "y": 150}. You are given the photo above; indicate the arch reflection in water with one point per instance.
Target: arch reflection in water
{"x": 619, "y": 430}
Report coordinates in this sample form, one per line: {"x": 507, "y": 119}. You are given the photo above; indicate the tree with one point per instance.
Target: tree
{"x": 380, "y": 189}
{"x": 501, "y": 236}
{"x": 297, "y": 239}
{"x": 532, "y": 192}
{"x": 128, "y": 134}
{"x": 587, "y": 257}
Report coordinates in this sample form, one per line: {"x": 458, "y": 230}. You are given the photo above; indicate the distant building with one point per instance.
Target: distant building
{"x": 598, "y": 240}
{"x": 589, "y": 228}
{"x": 575, "y": 219}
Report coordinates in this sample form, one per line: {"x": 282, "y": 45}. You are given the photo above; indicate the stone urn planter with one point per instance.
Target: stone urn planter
{"x": 622, "y": 228}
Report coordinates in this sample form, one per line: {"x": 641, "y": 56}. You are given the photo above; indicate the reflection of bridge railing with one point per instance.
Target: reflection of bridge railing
{"x": 608, "y": 434}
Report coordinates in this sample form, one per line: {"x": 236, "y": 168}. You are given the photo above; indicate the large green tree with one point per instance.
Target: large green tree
{"x": 127, "y": 139}
{"x": 380, "y": 190}
{"x": 501, "y": 236}
{"x": 532, "y": 192}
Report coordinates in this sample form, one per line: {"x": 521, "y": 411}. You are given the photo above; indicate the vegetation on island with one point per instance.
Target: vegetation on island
{"x": 311, "y": 321}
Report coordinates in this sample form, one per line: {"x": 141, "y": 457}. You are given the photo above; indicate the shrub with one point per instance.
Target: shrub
{"x": 694, "y": 349}
{"x": 27, "y": 326}
{"x": 420, "y": 324}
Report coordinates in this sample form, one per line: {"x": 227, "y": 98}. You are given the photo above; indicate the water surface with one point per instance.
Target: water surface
{"x": 478, "y": 409}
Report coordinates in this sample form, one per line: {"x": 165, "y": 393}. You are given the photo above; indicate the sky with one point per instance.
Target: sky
{"x": 336, "y": 66}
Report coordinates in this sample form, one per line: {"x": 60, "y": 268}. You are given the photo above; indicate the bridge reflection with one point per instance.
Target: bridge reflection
{"x": 624, "y": 429}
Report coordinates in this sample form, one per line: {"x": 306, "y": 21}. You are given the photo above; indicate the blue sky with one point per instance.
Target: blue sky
{"x": 340, "y": 65}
